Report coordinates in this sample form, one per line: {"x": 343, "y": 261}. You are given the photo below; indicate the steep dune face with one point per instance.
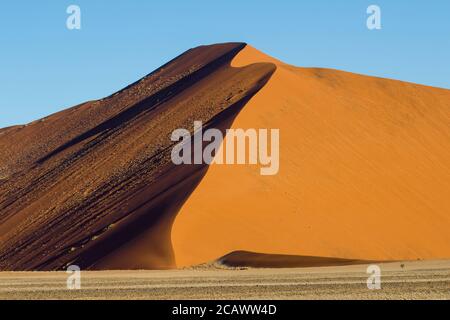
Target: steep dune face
{"x": 364, "y": 174}
{"x": 95, "y": 186}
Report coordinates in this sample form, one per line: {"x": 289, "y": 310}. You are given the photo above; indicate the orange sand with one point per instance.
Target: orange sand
{"x": 364, "y": 173}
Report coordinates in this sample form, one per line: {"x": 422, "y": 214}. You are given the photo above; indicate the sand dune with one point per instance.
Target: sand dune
{"x": 364, "y": 171}
{"x": 94, "y": 185}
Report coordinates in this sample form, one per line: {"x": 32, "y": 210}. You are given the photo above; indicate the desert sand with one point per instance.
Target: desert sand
{"x": 406, "y": 280}
{"x": 364, "y": 172}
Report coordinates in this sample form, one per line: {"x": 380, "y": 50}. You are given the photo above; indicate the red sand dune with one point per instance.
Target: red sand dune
{"x": 364, "y": 172}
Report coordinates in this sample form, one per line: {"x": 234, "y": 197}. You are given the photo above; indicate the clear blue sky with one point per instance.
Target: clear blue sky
{"x": 44, "y": 67}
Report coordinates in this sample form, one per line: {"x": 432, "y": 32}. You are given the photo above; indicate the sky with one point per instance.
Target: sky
{"x": 45, "y": 67}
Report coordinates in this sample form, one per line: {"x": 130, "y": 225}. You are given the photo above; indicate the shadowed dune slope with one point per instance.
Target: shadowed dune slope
{"x": 261, "y": 260}
{"x": 364, "y": 173}
{"x": 94, "y": 185}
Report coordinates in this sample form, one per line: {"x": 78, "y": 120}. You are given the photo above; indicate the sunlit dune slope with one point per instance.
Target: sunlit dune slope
{"x": 364, "y": 173}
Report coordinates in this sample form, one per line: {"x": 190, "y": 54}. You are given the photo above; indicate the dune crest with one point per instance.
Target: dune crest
{"x": 94, "y": 185}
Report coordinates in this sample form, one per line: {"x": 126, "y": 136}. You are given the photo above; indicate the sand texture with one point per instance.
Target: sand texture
{"x": 407, "y": 280}
{"x": 364, "y": 173}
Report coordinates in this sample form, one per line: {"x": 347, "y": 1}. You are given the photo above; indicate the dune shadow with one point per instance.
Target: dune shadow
{"x": 147, "y": 226}
{"x": 146, "y": 105}
{"x": 238, "y": 259}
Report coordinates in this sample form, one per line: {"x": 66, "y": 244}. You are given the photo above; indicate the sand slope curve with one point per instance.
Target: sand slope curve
{"x": 94, "y": 185}
{"x": 364, "y": 173}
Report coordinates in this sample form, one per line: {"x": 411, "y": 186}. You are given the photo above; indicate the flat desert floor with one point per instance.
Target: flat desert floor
{"x": 399, "y": 280}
